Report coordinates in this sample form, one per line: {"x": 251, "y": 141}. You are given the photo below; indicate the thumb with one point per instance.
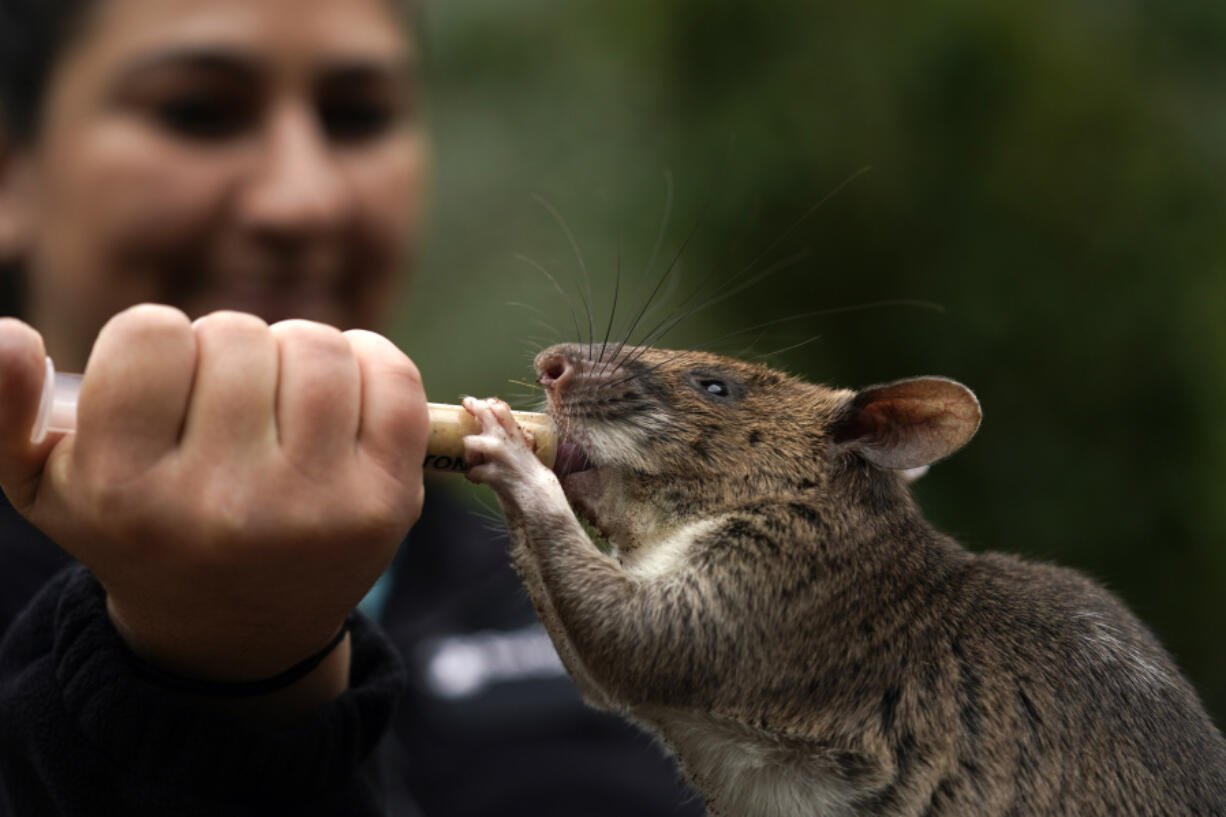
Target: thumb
{"x": 22, "y": 369}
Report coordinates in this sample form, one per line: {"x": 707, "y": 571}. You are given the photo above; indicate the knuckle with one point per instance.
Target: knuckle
{"x": 153, "y": 313}
{"x": 146, "y": 323}
{"x": 381, "y": 353}
{"x": 229, "y": 323}
{"x": 310, "y": 335}
{"x": 402, "y": 372}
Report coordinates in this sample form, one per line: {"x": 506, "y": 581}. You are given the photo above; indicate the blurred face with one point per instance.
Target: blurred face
{"x": 259, "y": 155}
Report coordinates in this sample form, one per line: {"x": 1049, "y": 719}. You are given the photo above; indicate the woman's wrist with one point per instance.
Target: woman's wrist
{"x": 246, "y": 688}
{"x": 325, "y": 683}
{"x": 271, "y": 692}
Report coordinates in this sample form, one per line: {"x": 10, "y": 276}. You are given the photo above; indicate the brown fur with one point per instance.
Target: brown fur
{"x": 781, "y": 614}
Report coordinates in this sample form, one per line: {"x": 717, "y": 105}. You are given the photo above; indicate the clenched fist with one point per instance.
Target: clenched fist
{"x": 236, "y": 487}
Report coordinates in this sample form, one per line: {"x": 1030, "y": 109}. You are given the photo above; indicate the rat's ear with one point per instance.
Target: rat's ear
{"x": 910, "y": 423}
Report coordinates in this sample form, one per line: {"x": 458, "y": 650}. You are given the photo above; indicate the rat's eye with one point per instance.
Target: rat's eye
{"x": 716, "y": 386}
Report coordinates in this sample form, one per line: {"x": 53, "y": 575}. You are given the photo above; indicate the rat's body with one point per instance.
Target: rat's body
{"x": 781, "y": 614}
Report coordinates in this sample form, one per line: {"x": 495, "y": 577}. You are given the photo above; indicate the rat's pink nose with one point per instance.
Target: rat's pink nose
{"x": 551, "y": 370}
{"x": 553, "y": 367}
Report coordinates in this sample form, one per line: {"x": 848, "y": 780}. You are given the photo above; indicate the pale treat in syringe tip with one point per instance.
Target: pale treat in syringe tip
{"x": 449, "y": 425}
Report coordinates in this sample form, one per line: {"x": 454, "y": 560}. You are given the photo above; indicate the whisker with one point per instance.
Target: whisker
{"x": 838, "y": 188}
{"x": 617, "y": 284}
{"x": 668, "y": 211}
{"x": 918, "y": 304}
{"x": 734, "y": 283}
{"x": 548, "y": 327}
{"x": 664, "y": 328}
{"x": 535, "y": 309}
{"x": 639, "y": 374}
{"x": 818, "y": 313}
{"x": 528, "y": 306}
{"x": 668, "y": 271}
{"x": 744, "y": 352}
{"x": 665, "y": 220}
{"x": 695, "y": 301}
{"x": 569, "y": 304}
{"x": 648, "y": 370}
{"x": 777, "y": 352}
{"x": 553, "y": 331}
{"x": 533, "y": 346}
{"x": 587, "y": 301}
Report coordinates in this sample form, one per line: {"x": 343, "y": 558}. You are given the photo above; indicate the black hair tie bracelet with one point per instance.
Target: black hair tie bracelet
{"x": 239, "y": 689}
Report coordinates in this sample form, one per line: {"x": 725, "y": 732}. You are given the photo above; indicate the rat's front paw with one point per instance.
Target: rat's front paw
{"x": 501, "y": 455}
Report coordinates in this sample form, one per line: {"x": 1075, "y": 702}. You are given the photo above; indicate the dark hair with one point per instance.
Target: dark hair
{"x": 11, "y": 295}
{"x": 33, "y": 34}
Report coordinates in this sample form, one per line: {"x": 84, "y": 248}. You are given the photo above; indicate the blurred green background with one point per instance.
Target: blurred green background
{"x": 1049, "y": 173}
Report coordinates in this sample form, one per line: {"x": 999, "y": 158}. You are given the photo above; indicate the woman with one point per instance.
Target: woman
{"x": 237, "y": 483}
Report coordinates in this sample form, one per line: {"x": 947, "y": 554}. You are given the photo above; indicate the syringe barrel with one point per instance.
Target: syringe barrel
{"x": 57, "y": 410}
{"x": 449, "y": 425}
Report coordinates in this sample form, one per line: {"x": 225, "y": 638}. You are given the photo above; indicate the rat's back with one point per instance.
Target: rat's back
{"x": 1047, "y": 698}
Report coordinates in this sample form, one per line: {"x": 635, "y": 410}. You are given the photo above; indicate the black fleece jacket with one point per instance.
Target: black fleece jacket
{"x": 457, "y": 706}
{"x": 83, "y": 734}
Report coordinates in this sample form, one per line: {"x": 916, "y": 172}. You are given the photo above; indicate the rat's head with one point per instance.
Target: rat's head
{"x": 676, "y": 434}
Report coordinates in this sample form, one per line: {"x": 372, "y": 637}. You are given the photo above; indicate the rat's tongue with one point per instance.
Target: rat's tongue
{"x": 570, "y": 459}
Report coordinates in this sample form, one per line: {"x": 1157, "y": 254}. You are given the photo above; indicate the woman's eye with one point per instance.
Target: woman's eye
{"x": 206, "y": 117}
{"x": 356, "y": 121}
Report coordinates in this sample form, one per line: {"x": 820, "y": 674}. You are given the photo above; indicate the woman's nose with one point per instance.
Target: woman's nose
{"x": 296, "y": 185}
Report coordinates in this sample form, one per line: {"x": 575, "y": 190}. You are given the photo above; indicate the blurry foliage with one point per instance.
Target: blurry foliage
{"x": 1050, "y": 173}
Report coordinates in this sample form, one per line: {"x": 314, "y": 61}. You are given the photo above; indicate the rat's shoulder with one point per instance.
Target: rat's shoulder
{"x": 765, "y": 527}
{"x": 774, "y": 543}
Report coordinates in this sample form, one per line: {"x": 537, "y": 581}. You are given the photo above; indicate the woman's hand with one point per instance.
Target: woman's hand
{"x": 236, "y": 487}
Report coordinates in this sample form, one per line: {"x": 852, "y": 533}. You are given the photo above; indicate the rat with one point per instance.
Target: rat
{"x": 778, "y": 611}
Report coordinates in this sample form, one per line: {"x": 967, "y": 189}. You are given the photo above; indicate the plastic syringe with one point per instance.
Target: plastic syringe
{"x": 449, "y": 425}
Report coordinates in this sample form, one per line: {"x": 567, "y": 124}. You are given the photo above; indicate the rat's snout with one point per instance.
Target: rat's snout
{"x": 554, "y": 368}
{"x": 551, "y": 369}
